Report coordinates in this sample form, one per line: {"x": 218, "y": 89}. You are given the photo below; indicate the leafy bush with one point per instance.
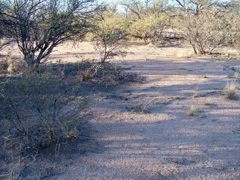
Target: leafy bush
{"x": 108, "y": 33}
{"x": 148, "y": 19}
{"x": 235, "y": 30}
{"x": 206, "y": 31}
{"x": 150, "y": 28}
{"x": 206, "y": 25}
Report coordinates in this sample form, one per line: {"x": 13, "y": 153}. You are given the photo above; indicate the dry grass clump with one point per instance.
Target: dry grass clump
{"x": 236, "y": 75}
{"x": 231, "y": 90}
{"x": 195, "y": 95}
{"x": 142, "y": 109}
{"x": 11, "y": 64}
{"x": 196, "y": 112}
{"x": 100, "y": 75}
{"x": 3, "y": 65}
{"x": 192, "y": 111}
{"x": 208, "y": 102}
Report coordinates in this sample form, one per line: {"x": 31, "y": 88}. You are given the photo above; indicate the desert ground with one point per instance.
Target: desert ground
{"x": 176, "y": 124}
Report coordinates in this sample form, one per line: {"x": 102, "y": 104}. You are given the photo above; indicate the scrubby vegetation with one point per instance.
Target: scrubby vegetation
{"x": 205, "y": 24}
{"x": 147, "y": 19}
{"x": 231, "y": 89}
{"x": 109, "y": 33}
{"x": 39, "y": 26}
{"x": 41, "y": 102}
{"x": 44, "y": 108}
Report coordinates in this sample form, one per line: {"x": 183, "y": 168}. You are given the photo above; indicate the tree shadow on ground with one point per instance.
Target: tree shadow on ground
{"x": 197, "y": 147}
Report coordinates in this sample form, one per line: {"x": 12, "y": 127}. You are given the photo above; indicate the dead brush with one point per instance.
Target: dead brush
{"x": 86, "y": 75}
{"x": 196, "y": 112}
{"x": 14, "y": 64}
{"x": 236, "y": 75}
{"x": 3, "y": 65}
{"x": 40, "y": 108}
{"x": 231, "y": 89}
{"x": 192, "y": 111}
{"x": 208, "y": 102}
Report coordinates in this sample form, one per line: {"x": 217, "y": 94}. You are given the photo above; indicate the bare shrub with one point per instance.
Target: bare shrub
{"x": 39, "y": 109}
{"x": 106, "y": 75}
{"x": 39, "y": 26}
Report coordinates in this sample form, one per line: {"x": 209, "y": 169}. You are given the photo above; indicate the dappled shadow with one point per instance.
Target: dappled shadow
{"x": 142, "y": 131}
{"x": 43, "y": 97}
{"x": 205, "y": 145}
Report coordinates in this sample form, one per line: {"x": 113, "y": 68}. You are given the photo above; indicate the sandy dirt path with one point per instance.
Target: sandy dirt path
{"x": 143, "y": 132}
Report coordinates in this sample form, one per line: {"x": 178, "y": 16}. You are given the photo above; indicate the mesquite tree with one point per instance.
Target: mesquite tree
{"x": 109, "y": 34}
{"x": 205, "y": 24}
{"x": 148, "y": 18}
{"x": 40, "y": 25}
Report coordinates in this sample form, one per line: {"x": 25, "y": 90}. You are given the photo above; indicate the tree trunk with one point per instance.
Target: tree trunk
{"x": 31, "y": 62}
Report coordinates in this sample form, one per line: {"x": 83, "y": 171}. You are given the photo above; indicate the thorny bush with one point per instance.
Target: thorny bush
{"x": 42, "y": 108}
{"x": 39, "y": 109}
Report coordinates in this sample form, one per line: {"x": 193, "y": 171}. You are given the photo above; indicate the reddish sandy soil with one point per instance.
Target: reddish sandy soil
{"x": 143, "y": 131}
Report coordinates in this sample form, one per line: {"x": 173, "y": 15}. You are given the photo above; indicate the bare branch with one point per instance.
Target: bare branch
{"x": 38, "y": 26}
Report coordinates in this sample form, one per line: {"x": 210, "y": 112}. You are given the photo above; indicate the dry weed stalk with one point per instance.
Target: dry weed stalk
{"x": 236, "y": 76}
{"x": 208, "y": 102}
{"x": 192, "y": 111}
{"x": 231, "y": 89}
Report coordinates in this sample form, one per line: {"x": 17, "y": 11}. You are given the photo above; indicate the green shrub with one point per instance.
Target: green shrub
{"x": 108, "y": 35}
{"x": 148, "y": 19}
{"x": 205, "y": 31}
{"x": 149, "y": 28}
{"x": 206, "y": 25}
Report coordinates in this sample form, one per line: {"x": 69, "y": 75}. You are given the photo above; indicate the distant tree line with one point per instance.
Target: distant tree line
{"x": 38, "y": 26}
